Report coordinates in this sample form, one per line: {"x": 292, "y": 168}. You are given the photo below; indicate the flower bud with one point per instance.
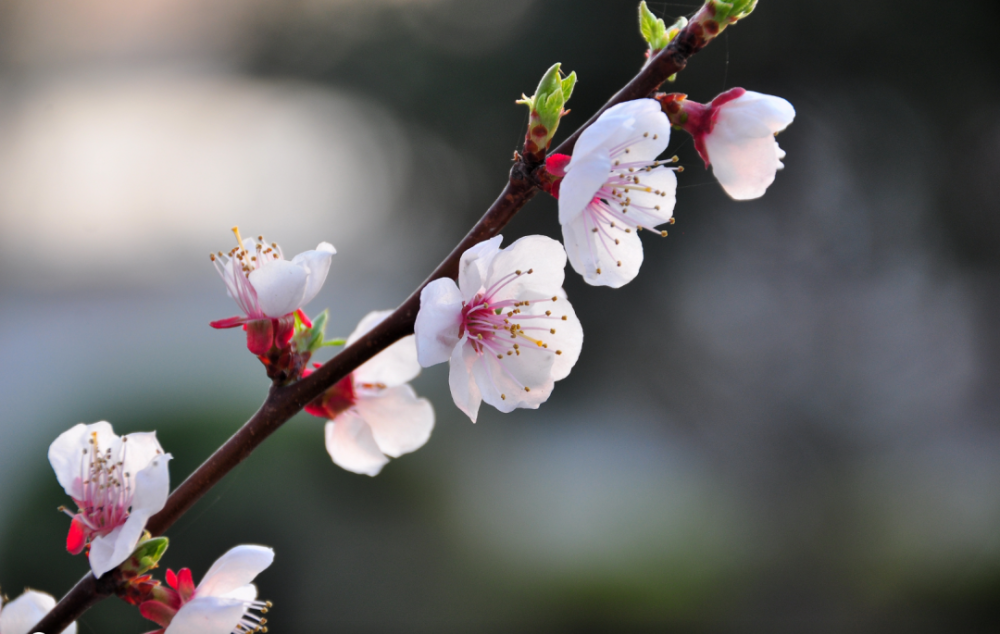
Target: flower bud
{"x": 546, "y": 105}
{"x": 655, "y": 31}
{"x": 145, "y": 557}
{"x": 716, "y": 15}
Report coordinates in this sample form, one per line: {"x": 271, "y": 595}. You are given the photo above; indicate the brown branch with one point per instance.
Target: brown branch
{"x": 284, "y": 402}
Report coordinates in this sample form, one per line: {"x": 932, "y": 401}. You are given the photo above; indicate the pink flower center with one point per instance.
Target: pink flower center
{"x": 107, "y": 490}
{"x": 236, "y": 266}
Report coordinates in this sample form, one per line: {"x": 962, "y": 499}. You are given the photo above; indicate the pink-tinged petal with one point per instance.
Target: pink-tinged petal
{"x": 207, "y": 615}
{"x": 22, "y": 613}
{"x": 68, "y": 459}
{"x": 568, "y": 338}
{"x": 589, "y": 251}
{"x": 400, "y": 422}
{"x": 753, "y": 109}
{"x": 351, "y": 445}
{"x": 744, "y": 166}
{"x": 543, "y": 256}
{"x": 473, "y": 265}
{"x": 77, "y": 537}
{"x": 317, "y": 263}
{"x": 438, "y": 321}
{"x": 260, "y": 336}
{"x": 235, "y": 569}
{"x": 625, "y": 125}
{"x": 502, "y": 381}
{"x": 280, "y": 286}
{"x": 463, "y": 386}
{"x": 229, "y": 322}
{"x": 581, "y": 183}
{"x": 157, "y": 612}
{"x": 598, "y": 137}
{"x": 152, "y": 484}
{"x": 395, "y": 365}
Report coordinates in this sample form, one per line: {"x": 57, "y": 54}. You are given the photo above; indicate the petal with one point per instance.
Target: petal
{"x": 656, "y": 206}
{"x": 754, "y": 108}
{"x": 109, "y": 551}
{"x": 67, "y": 456}
{"x": 137, "y": 451}
{"x": 543, "y": 256}
{"x": 568, "y": 339}
{"x": 395, "y": 365}
{"x": 597, "y": 137}
{"x": 639, "y": 125}
{"x": 243, "y": 593}
{"x": 235, "y": 569}
{"x": 280, "y": 286}
{"x": 463, "y": 386}
{"x": 399, "y": 421}
{"x": 473, "y": 266}
{"x": 589, "y": 251}
{"x": 581, "y": 183}
{"x": 502, "y": 382}
{"x": 351, "y": 445}
{"x": 317, "y": 264}
{"x": 22, "y": 613}
{"x": 207, "y": 615}
{"x": 438, "y": 321}
{"x": 744, "y": 166}
{"x": 152, "y": 484}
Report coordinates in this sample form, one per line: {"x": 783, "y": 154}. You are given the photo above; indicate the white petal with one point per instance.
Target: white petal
{"x": 108, "y": 551}
{"x": 473, "y": 265}
{"x": 626, "y": 123}
{"x": 280, "y": 286}
{"x": 438, "y": 321}
{"x": 542, "y": 255}
{"x": 395, "y": 365}
{"x": 243, "y": 593}
{"x": 351, "y": 445}
{"x": 589, "y": 251}
{"x": 502, "y": 382}
{"x": 317, "y": 264}
{"x": 152, "y": 485}
{"x": 67, "y": 457}
{"x": 463, "y": 386}
{"x": 568, "y": 338}
{"x": 651, "y": 134}
{"x": 753, "y": 108}
{"x": 583, "y": 178}
{"x": 22, "y": 613}
{"x": 207, "y": 615}
{"x": 400, "y": 422}
{"x": 235, "y": 569}
{"x": 662, "y": 184}
{"x": 598, "y": 137}
{"x": 744, "y": 166}
{"x": 137, "y": 451}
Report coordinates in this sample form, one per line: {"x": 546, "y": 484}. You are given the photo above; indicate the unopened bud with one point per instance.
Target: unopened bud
{"x": 654, "y": 30}
{"x": 547, "y": 108}
{"x": 145, "y": 557}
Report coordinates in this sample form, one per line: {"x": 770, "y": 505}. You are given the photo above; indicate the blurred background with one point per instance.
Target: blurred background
{"x": 789, "y": 422}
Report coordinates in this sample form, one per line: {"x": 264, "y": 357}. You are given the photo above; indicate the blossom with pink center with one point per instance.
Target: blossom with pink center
{"x": 225, "y": 602}
{"x": 269, "y": 288}
{"x": 735, "y": 134}
{"x": 374, "y": 413}
{"x": 21, "y": 614}
{"x": 506, "y": 329}
{"x": 612, "y": 187}
{"x": 118, "y": 483}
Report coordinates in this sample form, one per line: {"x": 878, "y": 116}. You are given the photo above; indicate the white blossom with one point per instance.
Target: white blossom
{"x": 614, "y": 187}
{"x": 506, "y": 328}
{"x": 374, "y": 413}
{"x": 118, "y": 483}
{"x": 21, "y": 614}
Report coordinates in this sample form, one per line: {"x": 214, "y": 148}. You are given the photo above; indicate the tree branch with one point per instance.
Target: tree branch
{"x": 284, "y": 402}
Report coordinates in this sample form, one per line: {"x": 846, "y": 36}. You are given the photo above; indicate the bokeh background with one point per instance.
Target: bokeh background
{"x": 789, "y": 422}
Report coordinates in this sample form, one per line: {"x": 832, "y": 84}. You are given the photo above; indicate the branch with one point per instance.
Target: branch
{"x": 284, "y": 402}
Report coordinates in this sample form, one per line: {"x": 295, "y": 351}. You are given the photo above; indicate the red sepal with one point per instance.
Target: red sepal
{"x": 260, "y": 336}
{"x": 77, "y": 538}
{"x": 304, "y": 318}
{"x": 229, "y": 322}
{"x": 157, "y": 612}
{"x": 284, "y": 330}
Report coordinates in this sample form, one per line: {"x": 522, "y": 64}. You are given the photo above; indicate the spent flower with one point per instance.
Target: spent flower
{"x": 118, "y": 483}
{"x": 506, "y": 328}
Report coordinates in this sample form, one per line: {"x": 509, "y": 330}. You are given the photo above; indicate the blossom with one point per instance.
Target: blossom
{"x": 612, "y": 188}
{"x": 373, "y": 411}
{"x": 225, "y": 602}
{"x": 506, "y": 329}
{"x": 735, "y": 134}
{"x": 117, "y": 484}
{"x": 269, "y": 288}
{"x": 18, "y": 616}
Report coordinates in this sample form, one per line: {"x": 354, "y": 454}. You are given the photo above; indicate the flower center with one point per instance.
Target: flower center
{"x": 107, "y": 489}
{"x": 248, "y": 260}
